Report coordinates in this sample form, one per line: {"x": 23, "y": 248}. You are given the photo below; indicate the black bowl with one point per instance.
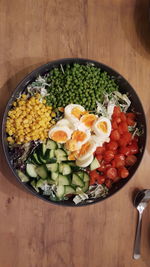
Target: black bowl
{"x": 124, "y": 86}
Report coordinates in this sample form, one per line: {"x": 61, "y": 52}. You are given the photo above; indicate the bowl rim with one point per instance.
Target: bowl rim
{"x": 50, "y": 65}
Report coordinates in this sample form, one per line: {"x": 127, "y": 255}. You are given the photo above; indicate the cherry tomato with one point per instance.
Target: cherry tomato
{"x": 101, "y": 179}
{"x": 123, "y": 172}
{"x": 116, "y": 111}
{"x": 102, "y": 168}
{"x": 118, "y": 120}
{"x": 123, "y": 116}
{"x": 108, "y": 155}
{"x": 125, "y": 140}
{"x": 124, "y": 126}
{"x": 120, "y": 129}
{"x": 99, "y": 157}
{"x": 100, "y": 150}
{"x": 125, "y": 150}
{"x": 119, "y": 156}
{"x": 114, "y": 124}
{"x": 130, "y": 121}
{"x": 93, "y": 176}
{"x": 108, "y": 183}
{"x": 131, "y": 115}
{"x": 130, "y": 160}
{"x": 115, "y": 135}
{"x": 118, "y": 163}
{"x": 111, "y": 173}
{"x": 133, "y": 149}
{"x": 112, "y": 145}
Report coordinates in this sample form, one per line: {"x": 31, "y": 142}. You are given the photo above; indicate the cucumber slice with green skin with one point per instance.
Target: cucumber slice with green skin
{"x": 24, "y": 178}
{"x": 63, "y": 180}
{"x": 86, "y": 177}
{"x": 60, "y": 145}
{"x": 40, "y": 157}
{"x": 53, "y": 167}
{"x": 42, "y": 172}
{"x": 51, "y": 181}
{"x": 51, "y": 144}
{"x": 64, "y": 168}
{"x": 54, "y": 175}
{"x": 76, "y": 180}
{"x": 36, "y": 159}
{"x": 60, "y": 191}
{"x": 50, "y": 154}
{"x": 80, "y": 174}
{"x": 60, "y": 155}
{"x": 71, "y": 163}
{"x": 69, "y": 190}
{"x": 61, "y": 167}
{"x": 31, "y": 170}
{"x": 40, "y": 183}
{"x": 95, "y": 164}
{"x": 85, "y": 187}
{"x": 33, "y": 183}
{"x": 43, "y": 148}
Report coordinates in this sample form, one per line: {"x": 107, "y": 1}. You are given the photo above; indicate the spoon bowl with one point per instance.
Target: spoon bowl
{"x": 141, "y": 201}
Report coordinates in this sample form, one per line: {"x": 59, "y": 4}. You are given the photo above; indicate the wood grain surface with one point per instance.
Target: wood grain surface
{"x": 32, "y": 32}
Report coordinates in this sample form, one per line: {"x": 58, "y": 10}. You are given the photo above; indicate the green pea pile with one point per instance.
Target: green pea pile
{"x": 78, "y": 84}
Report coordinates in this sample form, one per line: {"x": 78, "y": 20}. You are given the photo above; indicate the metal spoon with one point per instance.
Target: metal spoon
{"x": 141, "y": 201}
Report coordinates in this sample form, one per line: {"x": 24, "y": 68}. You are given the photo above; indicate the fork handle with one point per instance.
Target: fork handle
{"x": 137, "y": 243}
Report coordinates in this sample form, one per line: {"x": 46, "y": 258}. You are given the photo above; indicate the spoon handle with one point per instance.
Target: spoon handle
{"x": 137, "y": 253}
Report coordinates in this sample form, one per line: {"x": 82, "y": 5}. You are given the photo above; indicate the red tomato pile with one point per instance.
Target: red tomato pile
{"x": 117, "y": 155}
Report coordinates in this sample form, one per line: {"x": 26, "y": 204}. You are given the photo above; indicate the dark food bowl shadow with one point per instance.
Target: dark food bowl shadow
{"x": 124, "y": 87}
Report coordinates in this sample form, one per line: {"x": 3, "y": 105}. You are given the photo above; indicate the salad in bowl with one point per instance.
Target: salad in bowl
{"x": 71, "y": 134}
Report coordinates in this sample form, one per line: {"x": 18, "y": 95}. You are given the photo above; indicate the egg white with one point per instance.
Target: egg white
{"x": 99, "y": 132}
{"x": 86, "y": 162}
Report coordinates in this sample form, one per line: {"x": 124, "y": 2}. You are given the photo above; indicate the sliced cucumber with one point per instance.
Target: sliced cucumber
{"x": 51, "y": 181}
{"x": 60, "y": 145}
{"x": 69, "y": 190}
{"x": 53, "y": 167}
{"x": 85, "y": 187}
{"x": 33, "y": 183}
{"x": 76, "y": 180}
{"x": 60, "y": 191}
{"x": 80, "y": 174}
{"x": 24, "y": 178}
{"x": 95, "y": 164}
{"x": 86, "y": 177}
{"x": 54, "y": 175}
{"x": 44, "y": 148}
{"x": 51, "y": 144}
{"x": 36, "y": 159}
{"x": 31, "y": 170}
{"x": 60, "y": 155}
{"x": 63, "y": 180}
{"x": 40, "y": 183}
{"x": 42, "y": 172}
{"x": 50, "y": 154}
{"x": 71, "y": 163}
{"x": 61, "y": 167}
{"x": 64, "y": 168}
{"x": 41, "y": 158}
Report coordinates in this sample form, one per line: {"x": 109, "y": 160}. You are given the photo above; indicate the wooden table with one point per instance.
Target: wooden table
{"x": 32, "y": 32}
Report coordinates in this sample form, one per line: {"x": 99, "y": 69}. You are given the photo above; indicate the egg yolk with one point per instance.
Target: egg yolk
{"x": 59, "y": 136}
{"x": 72, "y": 156}
{"x": 71, "y": 145}
{"x": 102, "y": 126}
{"x": 77, "y": 112}
{"x": 84, "y": 149}
{"x": 79, "y": 136}
{"x": 88, "y": 120}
